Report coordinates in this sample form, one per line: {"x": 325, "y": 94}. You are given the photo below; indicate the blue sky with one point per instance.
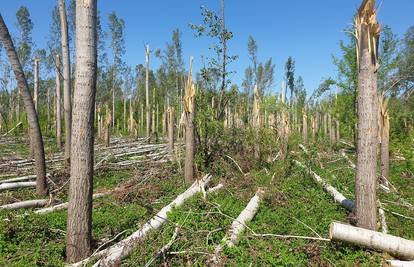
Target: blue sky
{"x": 307, "y": 30}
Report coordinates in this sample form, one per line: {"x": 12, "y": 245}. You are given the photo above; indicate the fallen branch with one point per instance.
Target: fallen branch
{"x": 165, "y": 248}
{"x": 7, "y": 186}
{"x": 235, "y": 162}
{"x": 12, "y": 129}
{"x": 396, "y": 263}
{"x": 114, "y": 254}
{"x": 338, "y": 197}
{"x": 36, "y": 203}
{"x": 400, "y": 247}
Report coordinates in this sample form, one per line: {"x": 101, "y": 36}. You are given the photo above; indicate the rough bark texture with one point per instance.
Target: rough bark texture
{"x": 36, "y": 140}
{"x": 394, "y": 245}
{"x": 67, "y": 103}
{"x": 58, "y": 108}
{"x": 78, "y": 241}
{"x": 189, "y": 107}
{"x": 367, "y": 141}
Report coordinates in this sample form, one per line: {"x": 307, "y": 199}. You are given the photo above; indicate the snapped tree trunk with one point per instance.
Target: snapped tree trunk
{"x": 365, "y": 182}
{"x": 78, "y": 238}
{"x": 305, "y": 127}
{"x": 171, "y": 132}
{"x": 36, "y": 140}
{"x": 67, "y": 103}
{"x": 58, "y": 109}
{"x": 147, "y": 104}
{"x": 256, "y": 122}
{"x": 189, "y": 108}
{"x": 385, "y": 143}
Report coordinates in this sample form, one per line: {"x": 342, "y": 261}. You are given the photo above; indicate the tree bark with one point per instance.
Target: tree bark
{"x": 256, "y": 122}
{"x": 67, "y": 103}
{"x": 35, "y": 132}
{"x": 78, "y": 240}
{"x": 367, "y": 142}
{"x": 394, "y": 245}
{"x": 36, "y": 83}
{"x": 305, "y": 127}
{"x": 58, "y": 108}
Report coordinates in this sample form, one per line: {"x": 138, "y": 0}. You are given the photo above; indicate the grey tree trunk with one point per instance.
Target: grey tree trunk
{"x": 36, "y": 83}
{"x": 36, "y": 140}
{"x": 58, "y": 108}
{"x": 113, "y": 97}
{"x": 147, "y": 104}
{"x": 78, "y": 239}
{"x": 171, "y": 132}
{"x": 367, "y": 141}
{"x": 67, "y": 103}
{"x": 305, "y": 127}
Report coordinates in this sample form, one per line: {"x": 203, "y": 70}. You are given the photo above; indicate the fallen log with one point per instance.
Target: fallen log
{"x": 63, "y": 206}
{"x": 113, "y": 255}
{"x": 7, "y": 186}
{"x": 19, "y": 179}
{"x": 36, "y": 203}
{"x": 396, "y": 263}
{"x": 338, "y": 197}
{"x": 397, "y": 246}
{"x": 237, "y": 226}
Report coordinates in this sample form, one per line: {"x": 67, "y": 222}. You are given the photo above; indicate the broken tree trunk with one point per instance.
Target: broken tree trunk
{"x": 58, "y": 101}
{"x": 147, "y": 104}
{"x": 397, "y": 246}
{"x": 256, "y": 121}
{"x": 171, "y": 131}
{"x": 113, "y": 255}
{"x": 8, "y": 186}
{"x": 385, "y": 143}
{"x": 189, "y": 107}
{"x": 238, "y": 226}
{"x": 67, "y": 103}
{"x": 338, "y": 197}
{"x": 36, "y": 203}
{"x": 367, "y": 32}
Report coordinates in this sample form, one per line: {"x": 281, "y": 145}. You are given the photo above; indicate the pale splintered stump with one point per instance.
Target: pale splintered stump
{"x": 36, "y": 82}
{"x": 36, "y": 141}
{"x": 67, "y": 102}
{"x": 58, "y": 108}
{"x": 385, "y": 142}
{"x": 171, "y": 131}
{"x": 396, "y": 246}
{"x": 189, "y": 109}
{"x": 256, "y": 121}
{"x": 305, "y": 127}
{"x": 367, "y": 32}
{"x": 113, "y": 255}
{"x": 79, "y": 223}
{"x": 147, "y": 103}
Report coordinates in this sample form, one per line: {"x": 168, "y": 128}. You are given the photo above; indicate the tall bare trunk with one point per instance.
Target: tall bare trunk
{"x": 58, "y": 108}
{"x": 256, "y": 122}
{"x": 125, "y": 109}
{"x": 113, "y": 96}
{"x": 338, "y": 132}
{"x": 67, "y": 102}
{"x": 36, "y": 82}
{"x": 36, "y": 140}
{"x": 147, "y": 104}
{"x": 171, "y": 131}
{"x": 305, "y": 127}
{"x": 365, "y": 183}
{"x": 78, "y": 241}
{"x": 189, "y": 107}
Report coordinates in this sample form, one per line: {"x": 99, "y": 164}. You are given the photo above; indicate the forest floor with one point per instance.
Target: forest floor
{"x": 293, "y": 205}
